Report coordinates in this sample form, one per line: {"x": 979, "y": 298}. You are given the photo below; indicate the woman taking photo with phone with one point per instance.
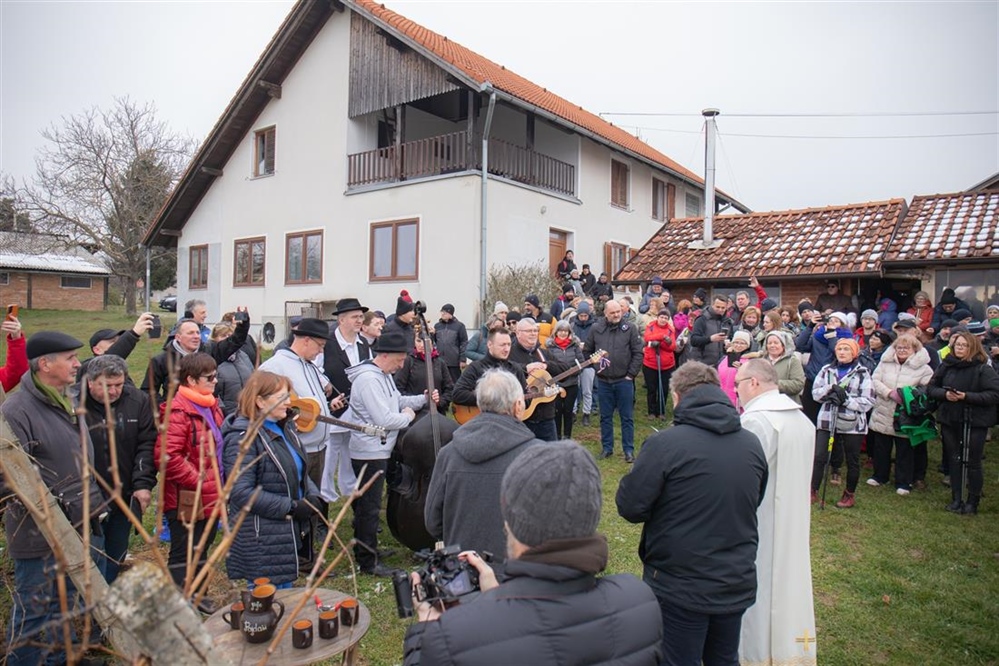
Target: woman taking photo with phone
{"x": 967, "y": 389}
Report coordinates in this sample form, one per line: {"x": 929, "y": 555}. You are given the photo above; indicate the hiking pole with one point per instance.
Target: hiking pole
{"x": 829, "y": 448}
{"x": 659, "y": 376}
{"x": 966, "y": 452}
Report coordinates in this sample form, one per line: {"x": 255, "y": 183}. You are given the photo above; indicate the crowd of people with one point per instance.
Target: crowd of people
{"x": 794, "y": 392}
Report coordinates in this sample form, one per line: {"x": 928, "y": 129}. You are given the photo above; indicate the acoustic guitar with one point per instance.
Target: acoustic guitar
{"x": 541, "y": 388}
{"x": 308, "y": 412}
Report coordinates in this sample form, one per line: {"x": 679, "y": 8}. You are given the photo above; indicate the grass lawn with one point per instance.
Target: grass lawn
{"x": 897, "y": 580}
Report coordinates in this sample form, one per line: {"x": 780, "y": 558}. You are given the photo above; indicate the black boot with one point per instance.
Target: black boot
{"x": 971, "y": 506}
{"x": 958, "y": 504}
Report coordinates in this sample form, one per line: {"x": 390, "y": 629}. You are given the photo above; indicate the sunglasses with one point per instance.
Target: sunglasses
{"x": 211, "y": 378}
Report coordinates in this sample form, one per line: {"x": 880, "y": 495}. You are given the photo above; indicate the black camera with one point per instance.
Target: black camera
{"x": 420, "y": 308}
{"x": 445, "y": 578}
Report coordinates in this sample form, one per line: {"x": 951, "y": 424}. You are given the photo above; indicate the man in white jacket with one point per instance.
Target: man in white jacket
{"x": 780, "y": 627}
{"x": 375, "y": 399}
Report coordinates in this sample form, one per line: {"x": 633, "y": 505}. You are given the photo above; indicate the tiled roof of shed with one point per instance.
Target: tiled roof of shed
{"x": 838, "y": 240}
{"x": 481, "y": 70}
{"x": 945, "y": 227}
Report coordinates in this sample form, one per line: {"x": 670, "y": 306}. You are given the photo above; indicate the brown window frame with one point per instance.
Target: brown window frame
{"x": 248, "y": 243}
{"x": 658, "y": 199}
{"x": 394, "y": 276}
{"x": 620, "y": 176}
{"x": 304, "y": 235}
{"x": 202, "y": 265}
{"x": 609, "y": 250}
{"x": 269, "y": 137}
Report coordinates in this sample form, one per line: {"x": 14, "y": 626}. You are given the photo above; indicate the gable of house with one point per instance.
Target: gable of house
{"x": 834, "y": 241}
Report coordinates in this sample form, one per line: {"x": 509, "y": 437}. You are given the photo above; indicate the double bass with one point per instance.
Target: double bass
{"x": 413, "y": 459}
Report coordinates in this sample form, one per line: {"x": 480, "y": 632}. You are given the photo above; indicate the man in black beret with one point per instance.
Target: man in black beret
{"x": 43, "y": 414}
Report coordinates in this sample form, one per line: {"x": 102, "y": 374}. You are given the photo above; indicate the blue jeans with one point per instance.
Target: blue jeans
{"x": 618, "y": 395}
{"x": 690, "y": 637}
{"x": 35, "y": 617}
{"x": 117, "y": 528}
{"x": 543, "y": 430}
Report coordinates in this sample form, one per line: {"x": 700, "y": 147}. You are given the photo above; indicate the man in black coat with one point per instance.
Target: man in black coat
{"x": 551, "y": 607}
{"x": 710, "y": 331}
{"x": 134, "y": 437}
{"x": 344, "y": 348}
{"x": 528, "y": 353}
{"x": 616, "y": 382}
{"x": 451, "y": 339}
{"x": 696, "y": 488}
{"x": 498, "y": 346}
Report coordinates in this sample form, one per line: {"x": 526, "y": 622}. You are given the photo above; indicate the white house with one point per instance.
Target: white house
{"x": 351, "y": 162}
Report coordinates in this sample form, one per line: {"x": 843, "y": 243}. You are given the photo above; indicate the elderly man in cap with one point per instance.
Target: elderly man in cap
{"x": 451, "y": 340}
{"x": 297, "y": 363}
{"x": 375, "y": 399}
{"x": 42, "y": 416}
{"x": 118, "y": 342}
{"x": 134, "y": 436}
{"x": 551, "y": 607}
{"x": 344, "y": 348}
{"x": 783, "y": 611}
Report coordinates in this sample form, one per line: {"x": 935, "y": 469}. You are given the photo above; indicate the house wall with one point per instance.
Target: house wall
{"x": 42, "y": 291}
{"x": 308, "y": 191}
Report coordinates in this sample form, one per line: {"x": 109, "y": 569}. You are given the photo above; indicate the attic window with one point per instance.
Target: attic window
{"x": 692, "y": 204}
{"x": 263, "y": 151}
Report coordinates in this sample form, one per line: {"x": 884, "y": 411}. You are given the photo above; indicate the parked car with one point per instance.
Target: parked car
{"x": 168, "y": 303}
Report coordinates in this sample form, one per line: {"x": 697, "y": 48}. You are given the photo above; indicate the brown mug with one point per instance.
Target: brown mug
{"x": 329, "y": 625}
{"x": 234, "y": 615}
{"x": 301, "y": 634}
{"x": 257, "y": 582}
{"x": 261, "y": 598}
{"x": 350, "y": 612}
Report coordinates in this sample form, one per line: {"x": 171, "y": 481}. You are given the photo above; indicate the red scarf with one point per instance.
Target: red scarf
{"x": 563, "y": 343}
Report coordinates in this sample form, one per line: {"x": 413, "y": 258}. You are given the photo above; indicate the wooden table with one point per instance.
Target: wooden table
{"x": 233, "y": 646}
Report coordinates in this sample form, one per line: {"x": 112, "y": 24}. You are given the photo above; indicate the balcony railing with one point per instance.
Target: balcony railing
{"x": 450, "y": 153}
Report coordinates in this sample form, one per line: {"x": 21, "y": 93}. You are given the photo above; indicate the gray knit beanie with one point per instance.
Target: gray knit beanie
{"x": 551, "y": 491}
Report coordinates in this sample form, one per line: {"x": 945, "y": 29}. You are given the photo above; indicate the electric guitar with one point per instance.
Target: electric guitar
{"x": 308, "y": 412}
{"x": 541, "y": 388}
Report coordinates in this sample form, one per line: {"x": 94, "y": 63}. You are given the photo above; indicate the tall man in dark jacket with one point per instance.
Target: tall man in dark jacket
{"x": 463, "y": 502}
{"x": 551, "y": 607}
{"x": 451, "y": 340}
{"x": 42, "y": 418}
{"x": 616, "y": 382}
{"x": 711, "y": 330}
{"x": 498, "y": 346}
{"x": 134, "y": 437}
{"x": 696, "y": 488}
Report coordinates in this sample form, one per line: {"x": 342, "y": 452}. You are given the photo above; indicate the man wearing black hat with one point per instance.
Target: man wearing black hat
{"x": 545, "y": 320}
{"x": 833, "y": 300}
{"x": 405, "y": 315}
{"x": 563, "y": 300}
{"x": 375, "y": 399}
{"x": 42, "y": 417}
{"x": 551, "y": 601}
{"x": 117, "y": 342}
{"x": 307, "y": 380}
{"x": 451, "y": 340}
{"x": 344, "y": 348}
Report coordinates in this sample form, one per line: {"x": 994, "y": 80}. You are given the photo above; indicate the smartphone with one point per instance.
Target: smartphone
{"x": 951, "y": 389}
{"x": 157, "y": 329}
{"x": 12, "y": 310}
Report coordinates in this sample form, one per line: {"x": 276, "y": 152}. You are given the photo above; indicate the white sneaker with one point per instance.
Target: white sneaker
{"x": 873, "y": 482}
{"x": 902, "y": 491}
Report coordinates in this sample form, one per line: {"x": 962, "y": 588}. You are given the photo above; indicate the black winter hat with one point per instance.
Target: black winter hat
{"x": 402, "y": 306}
{"x": 50, "y": 342}
{"x": 448, "y": 308}
{"x": 805, "y": 305}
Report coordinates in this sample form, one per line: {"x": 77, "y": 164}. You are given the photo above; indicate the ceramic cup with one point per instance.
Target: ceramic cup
{"x": 350, "y": 612}
{"x": 301, "y": 634}
{"x": 234, "y": 615}
{"x": 329, "y": 625}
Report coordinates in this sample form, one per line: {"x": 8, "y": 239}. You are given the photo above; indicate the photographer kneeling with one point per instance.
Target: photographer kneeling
{"x": 551, "y": 607}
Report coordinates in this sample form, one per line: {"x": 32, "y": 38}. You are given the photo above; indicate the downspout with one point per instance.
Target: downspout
{"x": 483, "y": 216}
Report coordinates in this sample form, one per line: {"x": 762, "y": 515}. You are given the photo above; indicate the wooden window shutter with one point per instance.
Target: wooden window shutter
{"x": 269, "y": 141}
{"x": 670, "y": 201}
{"x": 608, "y": 258}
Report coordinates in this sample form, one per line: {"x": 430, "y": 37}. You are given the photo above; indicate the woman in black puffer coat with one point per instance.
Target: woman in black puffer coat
{"x": 563, "y": 349}
{"x": 277, "y": 533}
{"x": 968, "y": 389}
{"x": 233, "y": 371}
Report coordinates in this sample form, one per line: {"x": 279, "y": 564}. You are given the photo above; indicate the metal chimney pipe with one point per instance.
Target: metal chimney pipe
{"x": 709, "y": 173}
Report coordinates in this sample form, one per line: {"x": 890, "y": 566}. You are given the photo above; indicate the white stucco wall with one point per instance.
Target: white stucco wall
{"x": 308, "y": 191}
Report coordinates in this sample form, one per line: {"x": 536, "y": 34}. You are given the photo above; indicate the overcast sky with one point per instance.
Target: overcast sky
{"x": 60, "y": 58}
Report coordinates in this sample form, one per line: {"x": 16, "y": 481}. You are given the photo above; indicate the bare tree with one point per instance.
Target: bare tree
{"x": 102, "y": 177}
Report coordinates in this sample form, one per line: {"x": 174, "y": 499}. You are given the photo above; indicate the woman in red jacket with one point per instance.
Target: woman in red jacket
{"x": 658, "y": 362}
{"x": 193, "y": 443}
{"x": 17, "y": 356}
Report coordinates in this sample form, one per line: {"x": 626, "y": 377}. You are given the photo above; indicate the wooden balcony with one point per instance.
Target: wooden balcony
{"x": 452, "y": 153}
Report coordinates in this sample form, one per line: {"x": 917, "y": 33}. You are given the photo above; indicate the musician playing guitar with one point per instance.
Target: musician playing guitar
{"x": 527, "y": 352}
{"x": 498, "y": 346}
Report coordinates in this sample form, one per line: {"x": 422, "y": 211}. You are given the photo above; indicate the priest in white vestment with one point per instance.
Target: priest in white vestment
{"x": 780, "y": 627}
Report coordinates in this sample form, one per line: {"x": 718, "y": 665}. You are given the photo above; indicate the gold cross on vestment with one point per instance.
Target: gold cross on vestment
{"x": 806, "y": 639}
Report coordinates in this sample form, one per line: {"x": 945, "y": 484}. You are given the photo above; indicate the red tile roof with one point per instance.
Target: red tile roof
{"x": 838, "y": 240}
{"x": 481, "y": 70}
{"x": 945, "y": 227}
